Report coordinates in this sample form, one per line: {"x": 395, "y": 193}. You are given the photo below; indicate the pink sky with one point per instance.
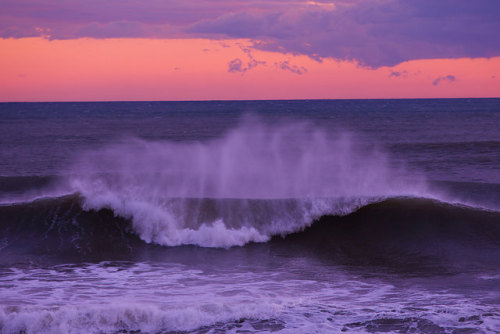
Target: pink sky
{"x": 246, "y": 50}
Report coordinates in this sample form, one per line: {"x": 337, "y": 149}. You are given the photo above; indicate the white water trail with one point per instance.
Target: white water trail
{"x": 256, "y": 181}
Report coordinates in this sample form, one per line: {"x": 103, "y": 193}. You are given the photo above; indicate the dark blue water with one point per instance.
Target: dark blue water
{"x": 458, "y": 136}
{"x": 258, "y": 216}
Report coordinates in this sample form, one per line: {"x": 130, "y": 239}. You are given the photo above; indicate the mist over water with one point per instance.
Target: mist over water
{"x": 256, "y": 181}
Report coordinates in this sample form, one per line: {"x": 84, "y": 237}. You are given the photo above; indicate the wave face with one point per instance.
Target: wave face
{"x": 256, "y": 181}
{"x": 406, "y": 233}
{"x": 60, "y": 228}
{"x": 397, "y": 232}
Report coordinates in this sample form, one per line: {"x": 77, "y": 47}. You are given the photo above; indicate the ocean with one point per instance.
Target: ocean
{"x": 320, "y": 216}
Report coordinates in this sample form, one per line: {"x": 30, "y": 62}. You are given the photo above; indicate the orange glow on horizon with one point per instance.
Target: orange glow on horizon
{"x": 36, "y": 69}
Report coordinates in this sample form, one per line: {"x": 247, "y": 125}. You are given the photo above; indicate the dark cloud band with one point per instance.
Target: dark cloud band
{"x": 372, "y": 32}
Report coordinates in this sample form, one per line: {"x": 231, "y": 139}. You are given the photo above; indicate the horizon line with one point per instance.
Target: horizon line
{"x": 259, "y": 100}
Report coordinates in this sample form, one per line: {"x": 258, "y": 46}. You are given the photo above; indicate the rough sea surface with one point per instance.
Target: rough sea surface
{"x": 356, "y": 216}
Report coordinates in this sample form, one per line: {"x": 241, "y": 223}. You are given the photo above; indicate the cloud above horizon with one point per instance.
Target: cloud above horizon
{"x": 447, "y": 78}
{"x": 373, "y": 33}
{"x": 286, "y": 66}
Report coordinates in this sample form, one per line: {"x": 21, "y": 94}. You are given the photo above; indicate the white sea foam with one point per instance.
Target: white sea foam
{"x": 125, "y": 316}
{"x": 163, "y": 297}
{"x": 256, "y": 181}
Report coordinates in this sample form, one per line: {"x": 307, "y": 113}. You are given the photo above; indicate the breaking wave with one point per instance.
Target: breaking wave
{"x": 255, "y": 183}
{"x": 380, "y": 232}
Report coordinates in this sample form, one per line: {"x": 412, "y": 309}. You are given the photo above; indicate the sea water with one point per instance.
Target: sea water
{"x": 250, "y": 216}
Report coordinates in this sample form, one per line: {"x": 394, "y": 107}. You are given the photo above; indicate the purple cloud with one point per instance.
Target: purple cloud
{"x": 449, "y": 78}
{"x": 237, "y": 65}
{"x": 372, "y": 32}
{"x": 286, "y": 66}
{"x": 398, "y": 74}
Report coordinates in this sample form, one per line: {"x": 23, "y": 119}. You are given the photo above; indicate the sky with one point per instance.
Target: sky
{"x": 130, "y": 50}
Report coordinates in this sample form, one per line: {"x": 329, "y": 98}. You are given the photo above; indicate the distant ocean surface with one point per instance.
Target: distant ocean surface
{"x": 321, "y": 216}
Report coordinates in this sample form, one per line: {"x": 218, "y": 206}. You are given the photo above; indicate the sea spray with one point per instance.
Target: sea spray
{"x": 256, "y": 181}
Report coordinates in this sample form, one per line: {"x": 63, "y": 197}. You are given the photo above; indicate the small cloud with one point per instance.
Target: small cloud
{"x": 286, "y": 66}
{"x": 205, "y": 50}
{"x": 177, "y": 68}
{"x": 493, "y": 76}
{"x": 254, "y": 63}
{"x": 397, "y": 74}
{"x": 316, "y": 58}
{"x": 237, "y": 65}
{"x": 247, "y": 51}
{"x": 449, "y": 78}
